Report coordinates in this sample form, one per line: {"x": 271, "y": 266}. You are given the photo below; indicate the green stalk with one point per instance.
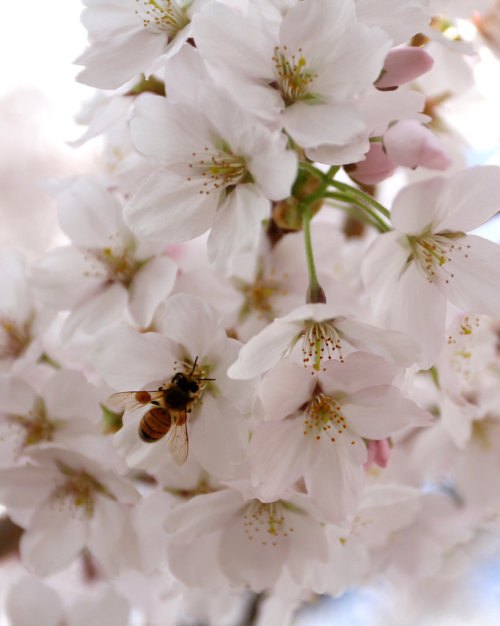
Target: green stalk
{"x": 356, "y": 212}
{"x": 360, "y": 194}
{"x": 378, "y": 222}
{"x": 315, "y": 292}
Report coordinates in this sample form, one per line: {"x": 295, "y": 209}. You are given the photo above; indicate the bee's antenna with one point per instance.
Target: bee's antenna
{"x": 194, "y": 366}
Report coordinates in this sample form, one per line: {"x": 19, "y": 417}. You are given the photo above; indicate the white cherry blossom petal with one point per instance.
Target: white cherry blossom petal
{"x": 150, "y": 286}
{"x": 475, "y": 270}
{"x": 471, "y": 198}
{"x": 103, "y": 309}
{"x": 167, "y": 208}
{"x": 29, "y": 597}
{"x": 128, "y": 360}
{"x": 414, "y": 209}
{"x": 237, "y": 226}
{"x": 279, "y": 455}
{"x": 382, "y": 411}
{"x": 218, "y": 437}
{"x": 54, "y": 538}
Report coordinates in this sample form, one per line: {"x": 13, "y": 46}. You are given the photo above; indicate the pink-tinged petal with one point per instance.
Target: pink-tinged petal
{"x": 30, "y": 597}
{"x": 193, "y": 323}
{"x": 168, "y": 208}
{"x": 252, "y": 558}
{"x": 311, "y": 125}
{"x": 403, "y": 65}
{"x": 203, "y": 514}
{"x": 222, "y": 33}
{"x": 359, "y": 370}
{"x": 383, "y": 266}
{"x": 109, "y": 607}
{"x": 108, "y": 66}
{"x": 376, "y": 167}
{"x": 335, "y": 479}
{"x": 150, "y": 286}
{"x": 388, "y": 343}
{"x": 168, "y": 132}
{"x": 54, "y": 538}
{"x": 237, "y": 226}
{"x": 382, "y": 411}
{"x": 475, "y": 269}
{"x": 273, "y": 167}
{"x": 278, "y": 456}
{"x": 414, "y": 210}
{"x": 22, "y": 489}
{"x": 264, "y": 350}
{"x": 90, "y": 215}
{"x": 196, "y": 563}
{"x": 315, "y": 21}
{"x": 470, "y": 198}
{"x": 382, "y": 108}
{"x": 128, "y": 360}
{"x": 105, "y": 529}
{"x": 401, "y": 20}
{"x": 284, "y": 389}
{"x": 379, "y": 452}
{"x": 308, "y": 544}
{"x": 17, "y": 395}
{"x": 412, "y": 144}
{"x": 240, "y": 392}
{"x": 218, "y": 437}
{"x": 104, "y": 308}
{"x": 64, "y": 276}
{"x": 418, "y": 308}
{"x": 68, "y": 395}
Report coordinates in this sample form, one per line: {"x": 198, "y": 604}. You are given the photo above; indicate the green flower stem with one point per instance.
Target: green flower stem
{"x": 377, "y": 221}
{"x": 357, "y": 213}
{"x": 315, "y": 292}
{"x": 317, "y": 173}
{"x": 361, "y": 195}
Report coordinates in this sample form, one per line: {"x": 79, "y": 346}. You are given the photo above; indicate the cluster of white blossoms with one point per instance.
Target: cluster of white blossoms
{"x": 244, "y": 381}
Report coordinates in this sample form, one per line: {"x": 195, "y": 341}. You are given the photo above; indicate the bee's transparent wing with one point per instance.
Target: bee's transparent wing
{"x": 131, "y": 400}
{"x": 178, "y": 437}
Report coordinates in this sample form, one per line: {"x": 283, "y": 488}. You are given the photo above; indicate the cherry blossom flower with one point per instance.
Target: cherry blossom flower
{"x": 315, "y": 426}
{"x": 66, "y": 502}
{"x": 428, "y": 259}
{"x": 219, "y": 168}
{"x": 66, "y": 410}
{"x": 105, "y": 271}
{"x": 323, "y": 333}
{"x": 193, "y": 343}
{"x": 127, "y": 36}
{"x": 249, "y": 540}
{"x": 299, "y": 74}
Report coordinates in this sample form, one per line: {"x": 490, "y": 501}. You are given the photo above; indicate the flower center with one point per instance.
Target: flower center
{"x": 116, "y": 264}
{"x": 162, "y": 16}
{"x": 14, "y": 337}
{"x": 77, "y": 492}
{"x": 433, "y": 251}
{"x": 320, "y": 340}
{"x": 36, "y": 426}
{"x": 266, "y": 522}
{"x": 324, "y": 418}
{"x": 293, "y": 79}
{"x": 219, "y": 170}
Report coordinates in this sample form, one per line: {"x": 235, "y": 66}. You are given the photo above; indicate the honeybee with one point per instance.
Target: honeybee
{"x": 172, "y": 402}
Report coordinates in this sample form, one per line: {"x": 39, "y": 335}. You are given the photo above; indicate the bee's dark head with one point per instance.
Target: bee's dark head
{"x": 185, "y": 383}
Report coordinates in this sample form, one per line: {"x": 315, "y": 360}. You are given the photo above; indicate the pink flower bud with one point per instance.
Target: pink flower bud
{"x": 403, "y": 65}
{"x": 411, "y": 144}
{"x": 378, "y": 452}
{"x": 375, "y": 168}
